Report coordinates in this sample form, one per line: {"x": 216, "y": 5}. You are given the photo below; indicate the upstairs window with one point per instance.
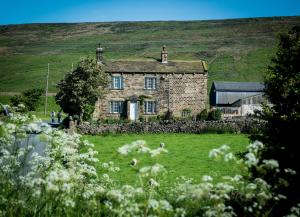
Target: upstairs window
{"x": 150, "y": 83}
{"x": 116, "y": 107}
{"x": 117, "y": 82}
{"x": 150, "y": 107}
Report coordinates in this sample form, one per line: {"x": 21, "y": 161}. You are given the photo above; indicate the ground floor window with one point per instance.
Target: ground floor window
{"x": 150, "y": 107}
{"x": 116, "y": 107}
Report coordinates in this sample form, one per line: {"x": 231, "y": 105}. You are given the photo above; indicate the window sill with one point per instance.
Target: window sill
{"x": 149, "y": 89}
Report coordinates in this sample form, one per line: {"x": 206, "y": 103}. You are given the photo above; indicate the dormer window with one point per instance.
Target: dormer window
{"x": 150, "y": 83}
{"x": 117, "y": 82}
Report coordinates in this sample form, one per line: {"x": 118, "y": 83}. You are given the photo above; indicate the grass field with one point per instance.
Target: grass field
{"x": 187, "y": 156}
{"x": 235, "y": 50}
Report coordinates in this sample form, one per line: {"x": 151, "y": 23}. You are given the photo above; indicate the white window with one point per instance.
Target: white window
{"x": 150, "y": 107}
{"x": 116, "y": 107}
{"x": 150, "y": 83}
{"x": 117, "y": 82}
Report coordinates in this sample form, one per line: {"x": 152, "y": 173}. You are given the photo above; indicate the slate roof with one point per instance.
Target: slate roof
{"x": 239, "y": 86}
{"x": 154, "y": 66}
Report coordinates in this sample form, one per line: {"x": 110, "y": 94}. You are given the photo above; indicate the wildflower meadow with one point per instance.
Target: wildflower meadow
{"x": 48, "y": 172}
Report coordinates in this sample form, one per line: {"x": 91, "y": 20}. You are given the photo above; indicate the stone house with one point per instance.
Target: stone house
{"x": 146, "y": 88}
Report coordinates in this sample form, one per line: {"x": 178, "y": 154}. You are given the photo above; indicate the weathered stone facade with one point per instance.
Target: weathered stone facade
{"x": 176, "y": 86}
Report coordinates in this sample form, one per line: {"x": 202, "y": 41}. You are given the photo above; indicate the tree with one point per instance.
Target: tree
{"x": 80, "y": 88}
{"x": 31, "y": 98}
{"x": 280, "y": 136}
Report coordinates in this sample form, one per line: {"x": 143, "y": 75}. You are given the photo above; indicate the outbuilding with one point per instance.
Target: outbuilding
{"x": 237, "y": 98}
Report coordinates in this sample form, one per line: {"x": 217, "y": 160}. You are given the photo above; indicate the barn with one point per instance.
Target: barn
{"x": 237, "y": 98}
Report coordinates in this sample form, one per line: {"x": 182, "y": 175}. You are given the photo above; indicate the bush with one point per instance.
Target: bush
{"x": 202, "y": 116}
{"x": 215, "y": 115}
{"x": 168, "y": 116}
{"x": 16, "y": 100}
{"x": 30, "y": 98}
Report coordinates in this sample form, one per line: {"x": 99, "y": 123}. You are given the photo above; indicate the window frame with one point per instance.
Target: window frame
{"x": 116, "y": 104}
{"x": 153, "y": 85}
{"x": 152, "y": 109}
{"x": 119, "y": 85}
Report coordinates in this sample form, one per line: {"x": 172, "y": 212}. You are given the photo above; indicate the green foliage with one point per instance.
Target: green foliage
{"x": 168, "y": 116}
{"x": 30, "y": 98}
{"x": 80, "y": 89}
{"x": 113, "y": 121}
{"x": 283, "y": 119}
{"x": 203, "y": 115}
{"x": 155, "y": 118}
{"x": 214, "y": 115}
{"x": 16, "y": 100}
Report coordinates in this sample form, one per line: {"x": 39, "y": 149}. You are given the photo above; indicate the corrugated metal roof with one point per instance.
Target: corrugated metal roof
{"x": 238, "y": 86}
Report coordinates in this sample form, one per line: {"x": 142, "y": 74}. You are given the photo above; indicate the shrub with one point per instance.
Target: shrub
{"x": 30, "y": 98}
{"x": 202, "y": 116}
{"x": 168, "y": 116}
{"x": 16, "y": 100}
{"x": 215, "y": 115}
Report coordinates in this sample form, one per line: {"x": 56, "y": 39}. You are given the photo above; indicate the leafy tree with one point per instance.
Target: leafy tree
{"x": 31, "y": 98}
{"x": 280, "y": 136}
{"x": 80, "y": 89}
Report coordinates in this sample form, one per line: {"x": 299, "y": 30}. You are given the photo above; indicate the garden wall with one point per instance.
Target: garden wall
{"x": 228, "y": 126}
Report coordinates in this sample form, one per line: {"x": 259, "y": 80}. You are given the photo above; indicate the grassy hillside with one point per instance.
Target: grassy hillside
{"x": 236, "y": 50}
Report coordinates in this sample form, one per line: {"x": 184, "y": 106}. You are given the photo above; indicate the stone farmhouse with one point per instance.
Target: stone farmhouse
{"x": 147, "y": 88}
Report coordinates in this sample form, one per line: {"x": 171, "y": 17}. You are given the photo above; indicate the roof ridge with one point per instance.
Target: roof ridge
{"x": 151, "y": 60}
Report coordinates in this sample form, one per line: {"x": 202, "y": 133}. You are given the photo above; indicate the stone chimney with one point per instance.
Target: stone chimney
{"x": 164, "y": 55}
{"x": 99, "y": 55}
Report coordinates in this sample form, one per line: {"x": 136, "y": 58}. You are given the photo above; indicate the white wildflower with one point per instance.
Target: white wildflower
{"x": 251, "y": 159}
{"x": 229, "y": 157}
{"x": 271, "y": 164}
{"x": 255, "y": 147}
{"x": 206, "y": 178}
{"x": 158, "y": 151}
{"x": 153, "y": 204}
{"x": 165, "y": 205}
{"x": 214, "y": 153}
{"x": 115, "y": 195}
{"x": 153, "y": 183}
{"x": 156, "y": 169}
{"x": 290, "y": 171}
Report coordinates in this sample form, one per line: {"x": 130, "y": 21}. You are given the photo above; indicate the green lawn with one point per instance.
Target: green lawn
{"x": 187, "y": 156}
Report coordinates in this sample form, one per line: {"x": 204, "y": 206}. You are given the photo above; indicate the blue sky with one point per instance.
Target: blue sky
{"x": 34, "y": 11}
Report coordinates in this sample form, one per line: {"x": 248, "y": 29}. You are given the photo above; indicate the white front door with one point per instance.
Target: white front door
{"x": 133, "y": 111}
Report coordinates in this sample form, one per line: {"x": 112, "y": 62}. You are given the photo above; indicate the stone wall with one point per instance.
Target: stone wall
{"x": 174, "y": 91}
{"x": 229, "y": 126}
